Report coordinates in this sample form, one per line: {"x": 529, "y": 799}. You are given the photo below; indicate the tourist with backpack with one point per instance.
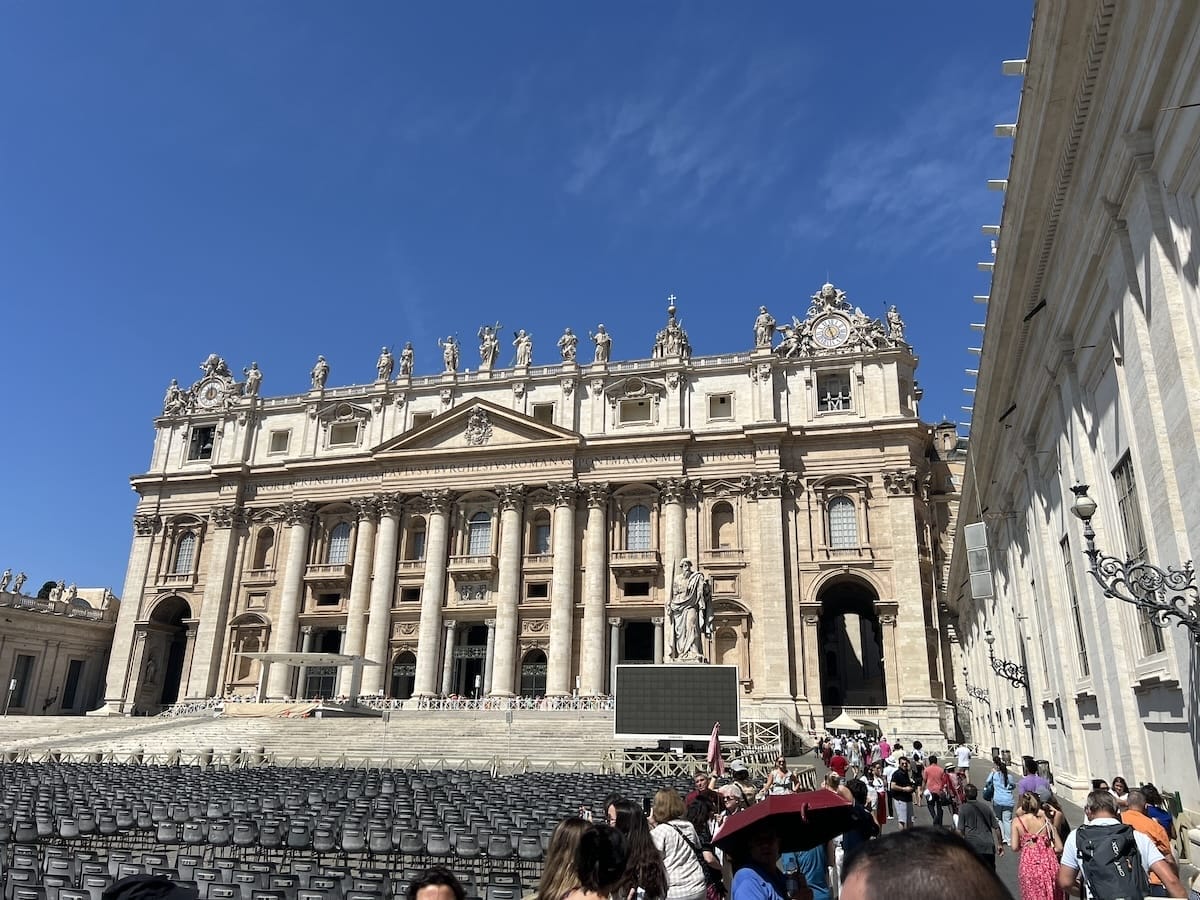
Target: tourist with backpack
{"x": 999, "y": 789}
{"x": 1110, "y": 858}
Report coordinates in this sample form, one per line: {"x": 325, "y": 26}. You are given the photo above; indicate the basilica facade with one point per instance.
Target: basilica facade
{"x": 513, "y": 531}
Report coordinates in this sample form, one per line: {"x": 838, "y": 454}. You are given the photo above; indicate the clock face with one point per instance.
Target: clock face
{"x": 830, "y": 331}
{"x": 209, "y": 395}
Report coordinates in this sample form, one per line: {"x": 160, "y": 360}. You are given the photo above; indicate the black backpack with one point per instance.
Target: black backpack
{"x": 1111, "y": 863}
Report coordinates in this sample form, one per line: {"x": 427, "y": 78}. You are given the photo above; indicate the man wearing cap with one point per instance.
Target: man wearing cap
{"x": 741, "y": 777}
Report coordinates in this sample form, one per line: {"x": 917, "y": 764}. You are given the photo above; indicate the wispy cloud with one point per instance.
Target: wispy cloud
{"x": 692, "y": 144}
{"x": 919, "y": 184}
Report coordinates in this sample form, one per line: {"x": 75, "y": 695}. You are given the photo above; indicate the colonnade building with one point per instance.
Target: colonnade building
{"x": 513, "y": 531}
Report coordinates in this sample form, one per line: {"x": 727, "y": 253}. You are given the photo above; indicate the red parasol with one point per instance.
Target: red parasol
{"x": 715, "y": 763}
{"x": 802, "y": 821}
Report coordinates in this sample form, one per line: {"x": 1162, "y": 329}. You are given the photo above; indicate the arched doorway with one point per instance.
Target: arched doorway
{"x": 850, "y": 639}
{"x": 404, "y": 675}
{"x": 533, "y": 674}
{"x": 470, "y": 654}
{"x": 165, "y": 653}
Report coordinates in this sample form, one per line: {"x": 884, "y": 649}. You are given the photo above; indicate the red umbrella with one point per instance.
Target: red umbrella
{"x": 715, "y": 763}
{"x": 802, "y": 821}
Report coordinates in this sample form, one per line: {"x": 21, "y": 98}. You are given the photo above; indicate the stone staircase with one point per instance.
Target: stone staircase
{"x": 577, "y": 739}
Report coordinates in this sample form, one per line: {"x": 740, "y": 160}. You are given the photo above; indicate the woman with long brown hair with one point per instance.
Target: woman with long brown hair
{"x": 645, "y": 875}
{"x": 559, "y": 876}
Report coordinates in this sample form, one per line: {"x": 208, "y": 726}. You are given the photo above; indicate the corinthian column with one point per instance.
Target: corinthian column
{"x": 227, "y": 526}
{"x": 383, "y": 584}
{"x": 765, "y": 492}
{"x": 595, "y": 582}
{"x": 360, "y": 586}
{"x": 671, "y": 493}
{"x": 562, "y": 589}
{"x": 504, "y": 665}
{"x": 432, "y": 590}
{"x": 116, "y": 688}
{"x": 448, "y": 658}
{"x": 298, "y": 517}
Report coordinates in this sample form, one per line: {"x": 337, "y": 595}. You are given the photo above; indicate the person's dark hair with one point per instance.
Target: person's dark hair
{"x": 1153, "y": 797}
{"x": 644, "y": 864}
{"x": 611, "y": 800}
{"x": 970, "y": 792}
{"x": 858, "y": 790}
{"x": 999, "y": 764}
{"x": 931, "y": 863}
{"x": 600, "y": 858}
{"x": 699, "y": 813}
{"x": 917, "y": 745}
{"x": 1100, "y": 801}
{"x": 1031, "y": 767}
{"x": 438, "y": 875}
{"x": 1113, "y": 784}
{"x": 932, "y": 760}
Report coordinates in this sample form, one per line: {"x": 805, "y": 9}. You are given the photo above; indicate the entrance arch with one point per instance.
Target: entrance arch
{"x": 470, "y": 654}
{"x": 404, "y": 675}
{"x": 533, "y": 674}
{"x": 165, "y": 653}
{"x": 850, "y": 642}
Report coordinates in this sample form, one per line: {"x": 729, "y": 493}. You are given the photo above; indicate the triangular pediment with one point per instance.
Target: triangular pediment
{"x": 479, "y": 426}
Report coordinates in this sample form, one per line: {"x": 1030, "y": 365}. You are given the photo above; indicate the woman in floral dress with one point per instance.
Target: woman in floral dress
{"x": 1036, "y": 839}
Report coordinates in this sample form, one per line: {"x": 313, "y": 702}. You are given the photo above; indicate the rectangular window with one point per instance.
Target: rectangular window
{"x": 422, "y": 418}
{"x": 257, "y": 601}
{"x": 544, "y": 412}
{"x": 22, "y": 672}
{"x": 538, "y": 590}
{"x": 280, "y": 441}
{"x": 636, "y": 589}
{"x": 1135, "y": 547}
{"x": 720, "y": 406}
{"x": 200, "y": 444}
{"x": 635, "y": 412}
{"x": 410, "y": 595}
{"x": 74, "y": 673}
{"x": 329, "y": 599}
{"x": 1076, "y": 618}
{"x": 833, "y": 392}
{"x": 344, "y": 434}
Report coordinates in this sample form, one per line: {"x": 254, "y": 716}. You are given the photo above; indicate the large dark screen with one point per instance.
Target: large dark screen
{"x": 676, "y": 701}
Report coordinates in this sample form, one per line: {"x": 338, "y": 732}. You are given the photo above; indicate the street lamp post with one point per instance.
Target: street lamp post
{"x": 1165, "y": 594}
{"x": 1006, "y": 669}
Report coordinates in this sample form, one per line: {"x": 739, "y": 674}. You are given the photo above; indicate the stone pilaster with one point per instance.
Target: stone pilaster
{"x": 489, "y": 658}
{"x": 614, "y": 652}
{"x": 118, "y": 691}
{"x": 595, "y": 585}
{"x": 383, "y": 585}
{"x": 448, "y": 656}
{"x": 307, "y": 634}
{"x": 504, "y": 662}
{"x": 433, "y": 589}
{"x": 659, "y": 641}
{"x": 911, "y": 647}
{"x": 765, "y": 493}
{"x": 672, "y": 493}
{"x": 367, "y": 510}
{"x": 227, "y": 529}
{"x": 298, "y": 516}
{"x": 562, "y": 589}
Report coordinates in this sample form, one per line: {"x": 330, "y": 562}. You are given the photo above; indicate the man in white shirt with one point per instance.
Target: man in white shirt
{"x": 962, "y": 757}
{"x": 1101, "y": 812}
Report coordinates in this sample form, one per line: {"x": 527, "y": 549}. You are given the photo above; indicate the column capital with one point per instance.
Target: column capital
{"x": 146, "y": 524}
{"x": 490, "y": 623}
{"x": 598, "y": 493}
{"x": 564, "y": 492}
{"x": 342, "y": 628}
{"x": 437, "y": 501}
{"x": 227, "y": 517}
{"x": 306, "y": 629}
{"x": 512, "y": 496}
{"x": 901, "y": 482}
{"x": 673, "y": 490}
{"x": 389, "y": 503}
{"x": 449, "y": 624}
{"x": 365, "y": 508}
{"x": 657, "y": 620}
{"x": 766, "y": 485}
{"x": 615, "y": 621}
{"x": 298, "y": 512}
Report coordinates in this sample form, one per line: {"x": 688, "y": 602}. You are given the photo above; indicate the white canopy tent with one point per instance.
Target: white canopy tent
{"x": 311, "y": 659}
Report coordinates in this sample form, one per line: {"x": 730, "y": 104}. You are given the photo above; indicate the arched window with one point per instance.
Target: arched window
{"x": 637, "y": 528}
{"x": 185, "y": 553}
{"x": 540, "y": 532}
{"x": 262, "y": 548}
{"x": 479, "y": 534}
{"x": 723, "y": 535}
{"x": 339, "y": 545}
{"x": 416, "y": 540}
{"x": 843, "y": 524}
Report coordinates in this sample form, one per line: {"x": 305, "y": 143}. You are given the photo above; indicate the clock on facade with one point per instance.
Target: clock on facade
{"x": 210, "y": 394}
{"x": 830, "y": 331}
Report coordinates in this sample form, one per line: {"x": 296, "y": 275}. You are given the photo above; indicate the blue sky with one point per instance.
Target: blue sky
{"x": 269, "y": 181}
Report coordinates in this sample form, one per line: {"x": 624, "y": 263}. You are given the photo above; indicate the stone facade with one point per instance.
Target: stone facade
{"x": 54, "y": 651}
{"x": 513, "y": 530}
{"x": 1089, "y": 374}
